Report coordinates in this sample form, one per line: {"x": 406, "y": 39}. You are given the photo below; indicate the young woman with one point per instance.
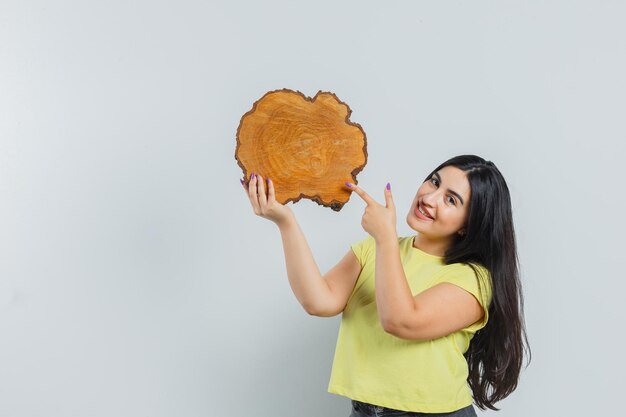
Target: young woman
{"x": 431, "y": 322}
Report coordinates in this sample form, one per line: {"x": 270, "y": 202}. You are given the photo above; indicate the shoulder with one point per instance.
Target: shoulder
{"x": 473, "y": 270}
{"x": 473, "y": 277}
{"x": 368, "y": 241}
{"x": 366, "y": 246}
{"x": 405, "y": 241}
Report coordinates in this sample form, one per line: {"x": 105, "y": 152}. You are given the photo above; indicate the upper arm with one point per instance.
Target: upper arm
{"x": 439, "y": 311}
{"x": 341, "y": 280}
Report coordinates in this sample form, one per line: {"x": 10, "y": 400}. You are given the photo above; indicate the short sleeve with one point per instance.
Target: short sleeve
{"x": 364, "y": 249}
{"x": 476, "y": 282}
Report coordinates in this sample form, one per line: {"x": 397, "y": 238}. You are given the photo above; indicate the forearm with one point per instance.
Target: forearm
{"x": 394, "y": 299}
{"x": 304, "y": 276}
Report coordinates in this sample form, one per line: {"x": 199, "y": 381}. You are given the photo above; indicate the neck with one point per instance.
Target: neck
{"x": 436, "y": 247}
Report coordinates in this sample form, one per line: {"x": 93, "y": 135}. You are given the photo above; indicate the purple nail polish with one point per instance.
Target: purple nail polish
{"x": 388, "y": 186}
{"x": 252, "y": 176}
{"x": 241, "y": 181}
{"x": 348, "y": 184}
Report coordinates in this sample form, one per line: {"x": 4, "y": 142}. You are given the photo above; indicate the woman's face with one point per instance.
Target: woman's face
{"x": 445, "y": 199}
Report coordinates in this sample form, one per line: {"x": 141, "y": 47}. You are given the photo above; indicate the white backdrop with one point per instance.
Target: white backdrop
{"x": 135, "y": 279}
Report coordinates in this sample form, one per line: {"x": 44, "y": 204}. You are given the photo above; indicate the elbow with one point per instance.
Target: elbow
{"x": 317, "y": 311}
{"x": 389, "y": 326}
{"x": 402, "y": 331}
{"x": 395, "y": 329}
{"x": 310, "y": 309}
{"x": 313, "y": 310}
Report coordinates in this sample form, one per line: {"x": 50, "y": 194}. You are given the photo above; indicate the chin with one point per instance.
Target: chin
{"x": 413, "y": 223}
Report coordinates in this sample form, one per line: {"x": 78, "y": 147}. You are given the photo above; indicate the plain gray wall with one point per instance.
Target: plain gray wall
{"x": 135, "y": 279}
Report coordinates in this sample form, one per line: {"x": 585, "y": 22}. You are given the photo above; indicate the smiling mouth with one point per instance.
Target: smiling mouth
{"x": 421, "y": 213}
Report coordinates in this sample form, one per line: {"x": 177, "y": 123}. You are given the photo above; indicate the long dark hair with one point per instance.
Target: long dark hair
{"x": 496, "y": 351}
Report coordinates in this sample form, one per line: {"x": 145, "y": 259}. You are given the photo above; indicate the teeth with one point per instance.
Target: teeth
{"x": 419, "y": 207}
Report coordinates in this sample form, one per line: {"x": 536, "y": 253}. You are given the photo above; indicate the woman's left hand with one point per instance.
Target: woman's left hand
{"x": 378, "y": 220}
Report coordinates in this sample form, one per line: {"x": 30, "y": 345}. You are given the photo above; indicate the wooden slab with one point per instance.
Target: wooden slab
{"x": 307, "y": 146}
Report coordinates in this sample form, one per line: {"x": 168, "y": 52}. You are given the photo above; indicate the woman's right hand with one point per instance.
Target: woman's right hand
{"x": 264, "y": 203}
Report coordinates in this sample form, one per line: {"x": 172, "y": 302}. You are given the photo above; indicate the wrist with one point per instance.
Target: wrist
{"x": 387, "y": 239}
{"x": 287, "y": 221}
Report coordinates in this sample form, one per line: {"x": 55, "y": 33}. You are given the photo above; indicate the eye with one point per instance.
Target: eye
{"x": 434, "y": 181}
{"x": 451, "y": 200}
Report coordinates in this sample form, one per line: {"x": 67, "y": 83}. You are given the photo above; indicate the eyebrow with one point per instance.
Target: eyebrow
{"x": 436, "y": 174}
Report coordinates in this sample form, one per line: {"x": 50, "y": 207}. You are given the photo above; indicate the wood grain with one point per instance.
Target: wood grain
{"x": 307, "y": 146}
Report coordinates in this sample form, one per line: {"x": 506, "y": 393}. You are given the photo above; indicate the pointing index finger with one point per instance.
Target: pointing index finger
{"x": 365, "y": 196}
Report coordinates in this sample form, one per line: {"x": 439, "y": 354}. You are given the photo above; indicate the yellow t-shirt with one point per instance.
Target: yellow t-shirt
{"x": 373, "y": 366}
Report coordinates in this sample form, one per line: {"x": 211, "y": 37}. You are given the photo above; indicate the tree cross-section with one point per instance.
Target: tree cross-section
{"x": 308, "y": 147}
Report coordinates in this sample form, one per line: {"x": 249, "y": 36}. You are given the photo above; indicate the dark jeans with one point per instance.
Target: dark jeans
{"x": 360, "y": 409}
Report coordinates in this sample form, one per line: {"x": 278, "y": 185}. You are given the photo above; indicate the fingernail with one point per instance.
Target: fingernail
{"x": 252, "y": 176}
{"x": 388, "y": 186}
{"x": 268, "y": 180}
{"x": 348, "y": 184}
{"x": 241, "y": 181}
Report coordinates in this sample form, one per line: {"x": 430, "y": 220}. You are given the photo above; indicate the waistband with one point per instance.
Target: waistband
{"x": 376, "y": 409}
{"x": 360, "y": 405}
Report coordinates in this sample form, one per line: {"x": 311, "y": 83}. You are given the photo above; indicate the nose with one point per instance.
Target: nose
{"x": 428, "y": 199}
{"x": 431, "y": 199}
